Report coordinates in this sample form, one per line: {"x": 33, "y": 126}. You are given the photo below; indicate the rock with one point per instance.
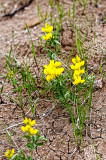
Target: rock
{"x": 32, "y": 22}
{"x": 98, "y": 84}
{"x": 35, "y": 21}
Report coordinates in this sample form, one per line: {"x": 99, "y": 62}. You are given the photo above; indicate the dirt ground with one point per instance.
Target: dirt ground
{"x": 56, "y": 125}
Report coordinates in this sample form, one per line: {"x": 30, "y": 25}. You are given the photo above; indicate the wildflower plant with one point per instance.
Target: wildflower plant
{"x": 50, "y": 41}
{"x": 32, "y": 141}
{"x": 56, "y": 79}
{"x": 28, "y": 128}
{"x": 9, "y": 153}
{"x": 22, "y": 79}
{"x": 70, "y": 89}
{"x": 48, "y": 32}
{"x": 10, "y": 74}
{"x": 30, "y": 135}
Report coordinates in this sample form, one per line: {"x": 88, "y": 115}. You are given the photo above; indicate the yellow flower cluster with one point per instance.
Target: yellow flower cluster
{"x": 53, "y": 70}
{"x": 48, "y": 36}
{"x": 9, "y": 154}
{"x": 11, "y": 74}
{"x": 77, "y": 70}
{"x": 28, "y": 128}
{"x": 48, "y": 29}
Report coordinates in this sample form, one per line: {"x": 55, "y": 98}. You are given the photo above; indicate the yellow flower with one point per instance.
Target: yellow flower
{"x": 23, "y": 129}
{"x": 26, "y": 120}
{"x": 48, "y": 32}
{"x": 77, "y": 65}
{"x": 51, "y": 63}
{"x": 60, "y": 70}
{"x": 82, "y": 63}
{"x": 35, "y": 131}
{"x": 29, "y": 122}
{"x": 57, "y": 64}
{"x": 31, "y": 130}
{"x": 47, "y": 36}
{"x": 48, "y": 78}
{"x": 82, "y": 71}
{"x": 53, "y": 70}
{"x": 9, "y": 154}
{"x": 32, "y": 123}
{"x": 77, "y": 70}
{"x": 72, "y": 67}
{"x": 83, "y": 80}
{"x": 11, "y": 74}
{"x": 45, "y": 66}
{"x": 47, "y": 29}
{"x": 76, "y": 60}
{"x": 27, "y": 128}
{"x": 77, "y": 80}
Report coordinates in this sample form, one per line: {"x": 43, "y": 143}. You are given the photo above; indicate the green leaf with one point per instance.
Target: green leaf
{"x": 67, "y": 94}
{"x": 8, "y": 136}
{"x": 20, "y": 156}
{"x": 33, "y": 108}
{"x": 3, "y": 84}
{"x": 57, "y": 42}
{"x": 37, "y": 136}
{"x": 43, "y": 138}
{"x": 39, "y": 144}
{"x": 12, "y": 100}
{"x": 15, "y": 156}
{"x": 10, "y": 53}
{"x": 31, "y": 146}
{"x": 27, "y": 137}
{"x": 33, "y": 48}
{"x": 29, "y": 158}
{"x": 53, "y": 56}
{"x": 1, "y": 75}
{"x": 33, "y": 139}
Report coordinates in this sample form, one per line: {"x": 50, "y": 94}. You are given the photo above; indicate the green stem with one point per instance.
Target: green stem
{"x": 31, "y": 153}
